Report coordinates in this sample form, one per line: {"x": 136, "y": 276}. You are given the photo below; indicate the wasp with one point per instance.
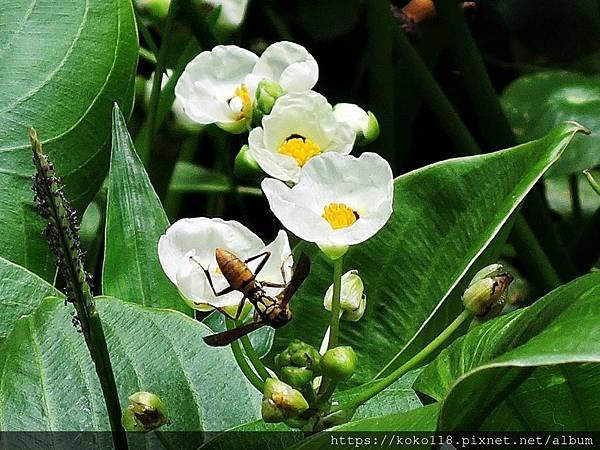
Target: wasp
{"x": 274, "y": 312}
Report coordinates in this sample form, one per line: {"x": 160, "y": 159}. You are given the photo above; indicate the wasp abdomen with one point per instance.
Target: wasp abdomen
{"x": 235, "y": 271}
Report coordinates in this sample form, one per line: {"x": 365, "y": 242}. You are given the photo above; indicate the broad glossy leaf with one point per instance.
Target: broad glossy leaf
{"x": 445, "y": 216}
{"x": 256, "y": 435}
{"x": 20, "y": 293}
{"x": 417, "y": 420}
{"x": 135, "y": 220}
{"x": 49, "y": 382}
{"x": 64, "y": 64}
{"x": 534, "y": 104}
{"x": 560, "y": 330}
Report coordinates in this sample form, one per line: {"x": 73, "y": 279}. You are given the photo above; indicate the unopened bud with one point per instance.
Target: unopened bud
{"x": 338, "y": 363}
{"x": 352, "y": 299}
{"x": 297, "y": 377}
{"x": 363, "y": 123}
{"x": 298, "y": 354}
{"x": 245, "y": 166}
{"x": 485, "y": 295}
{"x": 145, "y": 412}
{"x": 281, "y": 402}
{"x": 267, "y": 93}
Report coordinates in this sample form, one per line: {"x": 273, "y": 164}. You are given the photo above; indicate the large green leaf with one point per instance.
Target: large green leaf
{"x": 64, "y": 64}
{"x": 135, "y": 220}
{"x": 20, "y": 293}
{"x": 256, "y": 435}
{"x": 534, "y": 104}
{"x": 559, "y": 330}
{"x": 445, "y": 216}
{"x": 49, "y": 382}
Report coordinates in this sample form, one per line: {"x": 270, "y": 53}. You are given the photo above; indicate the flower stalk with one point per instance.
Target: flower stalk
{"x": 376, "y": 387}
{"x": 240, "y": 359}
{"x": 334, "y": 324}
{"x": 592, "y": 181}
{"x": 254, "y": 359}
{"x": 62, "y": 233}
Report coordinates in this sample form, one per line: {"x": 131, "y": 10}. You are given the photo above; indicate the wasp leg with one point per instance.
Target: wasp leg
{"x": 240, "y": 308}
{"x": 264, "y": 255}
{"x": 227, "y": 290}
{"x": 283, "y": 276}
{"x": 273, "y": 285}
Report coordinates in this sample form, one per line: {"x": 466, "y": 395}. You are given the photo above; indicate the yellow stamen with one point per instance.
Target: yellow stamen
{"x": 242, "y": 92}
{"x": 339, "y": 215}
{"x": 299, "y": 148}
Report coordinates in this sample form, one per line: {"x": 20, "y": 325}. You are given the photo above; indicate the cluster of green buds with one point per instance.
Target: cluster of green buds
{"x": 298, "y": 364}
{"x": 485, "y": 295}
{"x": 145, "y": 412}
{"x": 267, "y": 93}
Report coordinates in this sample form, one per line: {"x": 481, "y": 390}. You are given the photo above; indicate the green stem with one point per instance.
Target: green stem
{"x": 575, "y": 199}
{"x": 531, "y": 252}
{"x": 376, "y": 387}
{"x": 592, "y": 181}
{"x": 334, "y": 324}
{"x": 146, "y": 34}
{"x": 64, "y": 240}
{"x": 147, "y": 55}
{"x": 161, "y": 65}
{"x": 381, "y": 75}
{"x": 240, "y": 359}
{"x": 254, "y": 359}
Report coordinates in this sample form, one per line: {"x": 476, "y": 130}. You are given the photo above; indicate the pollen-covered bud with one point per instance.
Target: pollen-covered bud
{"x": 245, "y": 166}
{"x": 281, "y": 402}
{"x": 297, "y": 377}
{"x": 363, "y": 123}
{"x": 267, "y": 93}
{"x": 485, "y": 295}
{"x": 145, "y": 412}
{"x": 298, "y": 354}
{"x": 352, "y": 300}
{"x": 338, "y": 363}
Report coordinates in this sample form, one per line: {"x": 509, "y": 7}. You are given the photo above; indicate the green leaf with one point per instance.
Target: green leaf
{"x": 534, "y": 104}
{"x": 445, "y": 216}
{"x": 135, "y": 220}
{"x": 256, "y": 435}
{"x": 64, "y": 64}
{"x": 560, "y": 330}
{"x": 20, "y": 293}
{"x": 418, "y": 420}
{"x": 261, "y": 339}
{"x": 49, "y": 382}
{"x": 189, "y": 177}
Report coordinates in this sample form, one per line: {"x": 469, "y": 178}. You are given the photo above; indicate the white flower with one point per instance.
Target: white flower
{"x": 300, "y": 127}
{"x": 232, "y": 12}
{"x": 340, "y": 200}
{"x": 189, "y": 245}
{"x": 218, "y": 86}
{"x": 213, "y": 88}
{"x": 352, "y": 298}
{"x": 289, "y": 65}
{"x": 363, "y": 123}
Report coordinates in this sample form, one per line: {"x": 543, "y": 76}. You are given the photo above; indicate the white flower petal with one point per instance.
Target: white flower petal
{"x": 288, "y": 64}
{"x": 209, "y": 81}
{"x": 232, "y": 12}
{"x": 281, "y": 258}
{"x": 364, "y": 184}
{"x": 275, "y": 164}
{"x": 352, "y": 299}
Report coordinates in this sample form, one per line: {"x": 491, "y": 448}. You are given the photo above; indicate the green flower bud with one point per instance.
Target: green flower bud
{"x": 281, "y": 402}
{"x": 145, "y": 412}
{"x": 297, "y": 377}
{"x": 245, "y": 166}
{"x": 267, "y": 93}
{"x": 298, "y": 354}
{"x": 363, "y": 123}
{"x": 156, "y": 10}
{"x": 338, "y": 363}
{"x": 485, "y": 295}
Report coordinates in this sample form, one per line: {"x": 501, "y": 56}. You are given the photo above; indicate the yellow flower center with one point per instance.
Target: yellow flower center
{"x": 241, "y": 102}
{"x": 339, "y": 215}
{"x": 299, "y": 148}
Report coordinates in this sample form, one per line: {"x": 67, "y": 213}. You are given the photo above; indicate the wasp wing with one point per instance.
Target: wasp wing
{"x": 227, "y": 337}
{"x": 300, "y": 273}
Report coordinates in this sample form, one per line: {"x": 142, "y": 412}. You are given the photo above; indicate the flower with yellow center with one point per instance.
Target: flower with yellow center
{"x": 219, "y": 86}
{"x": 301, "y": 127}
{"x": 189, "y": 245}
{"x": 339, "y": 200}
